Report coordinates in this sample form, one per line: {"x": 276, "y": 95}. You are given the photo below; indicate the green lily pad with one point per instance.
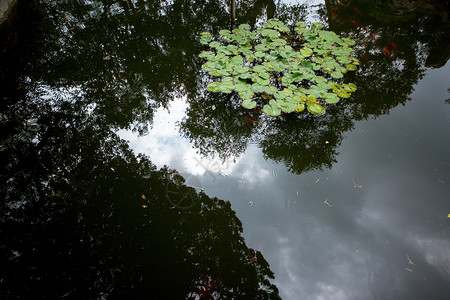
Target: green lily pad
{"x": 241, "y": 87}
{"x": 225, "y": 32}
{"x": 307, "y": 64}
{"x": 351, "y": 67}
{"x": 259, "y": 54}
{"x": 249, "y": 104}
{"x": 240, "y": 69}
{"x": 258, "y": 88}
{"x": 288, "y": 107}
{"x": 280, "y": 95}
{"x": 269, "y": 33}
{"x": 244, "y": 76}
{"x": 260, "y": 47}
{"x": 343, "y": 59}
{"x": 264, "y": 75}
{"x": 259, "y": 69}
{"x": 207, "y": 54}
{"x": 270, "y": 90}
{"x": 224, "y": 89}
{"x": 348, "y": 41}
{"x": 352, "y": 87}
{"x": 263, "y": 81}
{"x": 306, "y": 51}
{"x": 237, "y": 60}
{"x": 247, "y": 94}
{"x": 271, "y": 111}
{"x": 331, "y": 98}
{"x": 244, "y": 27}
{"x": 316, "y": 109}
{"x": 337, "y": 75}
{"x": 214, "y": 44}
{"x": 300, "y": 107}
{"x": 213, "y": 86}
{"x": 233, "y": 49}
{"x": 301, "y": 24}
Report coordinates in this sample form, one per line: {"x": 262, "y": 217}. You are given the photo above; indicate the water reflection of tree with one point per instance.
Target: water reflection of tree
{"x": 209, "y": 116}
{"x": 304, "y": 142}
{"x": 73, "y": 216}
{"x": 123, "y": 58}
{"x": 394, "y": 47}
{"x": 426, "y": 22}
{"x": 83, "y": 217}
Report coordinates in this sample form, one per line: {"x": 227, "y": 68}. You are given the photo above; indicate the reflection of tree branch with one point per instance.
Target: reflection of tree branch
{"x": 217, "y": 125}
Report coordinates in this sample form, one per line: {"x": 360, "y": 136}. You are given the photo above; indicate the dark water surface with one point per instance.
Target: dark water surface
{"x": 123, "y": 178}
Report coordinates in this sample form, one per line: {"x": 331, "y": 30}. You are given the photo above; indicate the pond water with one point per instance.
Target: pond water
{"x": 122, "y": 177}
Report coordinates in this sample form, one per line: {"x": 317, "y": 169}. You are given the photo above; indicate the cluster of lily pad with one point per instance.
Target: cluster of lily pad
{"x": 286, "y": 72}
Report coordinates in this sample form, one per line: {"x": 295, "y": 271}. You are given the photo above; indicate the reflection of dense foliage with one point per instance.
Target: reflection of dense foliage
{"x": 250, "y": 10}
{"x": 122, "y": 57}
{"x": 393, "y": 49}
{"x": 82, "y": 215}
{"x": 384, "y": 80}
{"x": 222, "y": 128}
{"x": 427, "y": 22}
{"x": 305, "y": 143}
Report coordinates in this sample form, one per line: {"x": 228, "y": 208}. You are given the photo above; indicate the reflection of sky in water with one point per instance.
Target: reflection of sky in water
{"x": 312, "y": 7}
{"x": 164, "y": 145}
{"x": 373, "y": 227}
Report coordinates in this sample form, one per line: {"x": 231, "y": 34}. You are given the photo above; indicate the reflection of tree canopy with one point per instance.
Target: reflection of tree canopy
{"x": 394, "y": 46}
{"x": 306, "y": 143}
{"x": 427, "y": 22}
{"x": 122, "y": 57}
{"x": 303, "y": 142}
{"x": 219, "y": 114}
{"x": 82, "y": 216}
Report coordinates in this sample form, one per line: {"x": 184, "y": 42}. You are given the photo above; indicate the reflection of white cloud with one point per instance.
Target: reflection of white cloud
{"x": 312, "y": 6}
{"x": 252, "y": 169}
{"x": 435, "y": 251}
{"x": 326, "y": 291}
{"x": 164, "y": 145}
